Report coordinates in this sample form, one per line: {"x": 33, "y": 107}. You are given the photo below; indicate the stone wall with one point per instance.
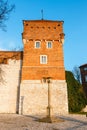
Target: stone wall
{"x": 10, "y": 81}
{"x": 34, "y": 97}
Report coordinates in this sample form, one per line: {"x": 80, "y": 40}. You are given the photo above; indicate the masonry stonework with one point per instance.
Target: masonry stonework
{"x": 10, "y": 66}
{"x": 34, "y": 97}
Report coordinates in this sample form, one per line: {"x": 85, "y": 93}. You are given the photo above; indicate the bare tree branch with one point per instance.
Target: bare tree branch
{"x": 5, "y": 10}
{"x": 76, "y": 73}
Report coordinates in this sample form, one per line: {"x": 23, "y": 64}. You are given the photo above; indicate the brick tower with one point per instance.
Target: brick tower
{"x": 43, "y": 63}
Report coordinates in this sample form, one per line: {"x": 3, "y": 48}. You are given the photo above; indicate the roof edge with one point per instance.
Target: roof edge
{"x": 83, "y": 65}
{"x": 43, "y": 20}
{"x": 10, "y": 51}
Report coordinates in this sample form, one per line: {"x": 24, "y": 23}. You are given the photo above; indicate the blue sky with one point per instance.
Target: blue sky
{"x": 72, "y": 12}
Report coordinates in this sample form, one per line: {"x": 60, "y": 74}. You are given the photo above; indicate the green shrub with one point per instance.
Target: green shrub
{"x": 76, "y": 96}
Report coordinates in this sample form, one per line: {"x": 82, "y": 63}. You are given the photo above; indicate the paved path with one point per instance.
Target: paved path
{"x": 20, "y": 122}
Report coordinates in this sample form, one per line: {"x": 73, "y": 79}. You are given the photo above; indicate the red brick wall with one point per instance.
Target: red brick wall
{"x": 43, "y": 31}
{"x": 5, "y": 55}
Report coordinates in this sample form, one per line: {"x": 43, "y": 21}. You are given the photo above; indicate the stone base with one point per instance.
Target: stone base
{"x": 10, "y": 86}
{"x": 50, "y": 119}
{"x": 34, "y": 97}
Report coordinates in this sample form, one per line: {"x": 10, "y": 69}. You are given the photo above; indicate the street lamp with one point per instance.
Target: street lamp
{"x": 49, "y": 118}
{"x": 49, "y": 107}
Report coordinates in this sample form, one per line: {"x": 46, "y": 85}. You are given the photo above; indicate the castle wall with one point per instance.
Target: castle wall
{"x": 34, "y": 97}
{"x": 10, "y": 82}
{"x": 30, "y": 96}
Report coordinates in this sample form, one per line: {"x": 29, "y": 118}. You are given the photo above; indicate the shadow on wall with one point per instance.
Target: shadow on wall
{"x": 2, "y": 73}
{"x": 18, "y": 89}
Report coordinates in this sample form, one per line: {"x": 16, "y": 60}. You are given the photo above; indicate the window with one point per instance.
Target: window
{"x": 49, "y": 44}
{"x": 37, "y": 44}
{"x": 85, "y": 78}
{"x": 85, "y": 68}
{"x": 43, "y": 59}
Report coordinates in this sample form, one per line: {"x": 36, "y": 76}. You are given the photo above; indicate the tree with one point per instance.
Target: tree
{"x": 5, "y": 10}
{"x": 76, "y": 97}
{"x": 76, "y": 73}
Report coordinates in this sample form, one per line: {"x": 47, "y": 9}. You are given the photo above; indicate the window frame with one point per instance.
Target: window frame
{"x": 39, "y": 44}
{"x": 85, "y": 78}
{"x": 48, "y": 45}
{"x": 41, "y": 61}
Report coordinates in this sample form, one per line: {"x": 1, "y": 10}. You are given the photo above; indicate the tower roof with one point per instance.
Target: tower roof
{"x": 83, "y": 65}
{"x": 43, "y": 20}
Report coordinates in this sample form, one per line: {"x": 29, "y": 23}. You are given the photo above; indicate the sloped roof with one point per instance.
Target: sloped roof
{"x": 83, "y": 65}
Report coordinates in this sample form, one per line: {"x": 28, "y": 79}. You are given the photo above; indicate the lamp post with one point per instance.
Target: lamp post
{"x": 49, "y": 107}
{"x": 49, "y": 118}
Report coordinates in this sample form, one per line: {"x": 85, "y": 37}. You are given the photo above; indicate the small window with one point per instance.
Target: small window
{"x": 37, "y": 44}
{"x": 85, "y": 68}
{"x": 54, "y": 27}
{"x": 85, "y": 78}
{"x": 43, "y": 59}
{"x": 49, "y": 44}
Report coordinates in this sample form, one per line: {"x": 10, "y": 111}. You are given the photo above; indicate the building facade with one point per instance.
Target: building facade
{"x": 83, "y": 70}
{"x": 28, "y": 74}
{"x": 42, "y": 60}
